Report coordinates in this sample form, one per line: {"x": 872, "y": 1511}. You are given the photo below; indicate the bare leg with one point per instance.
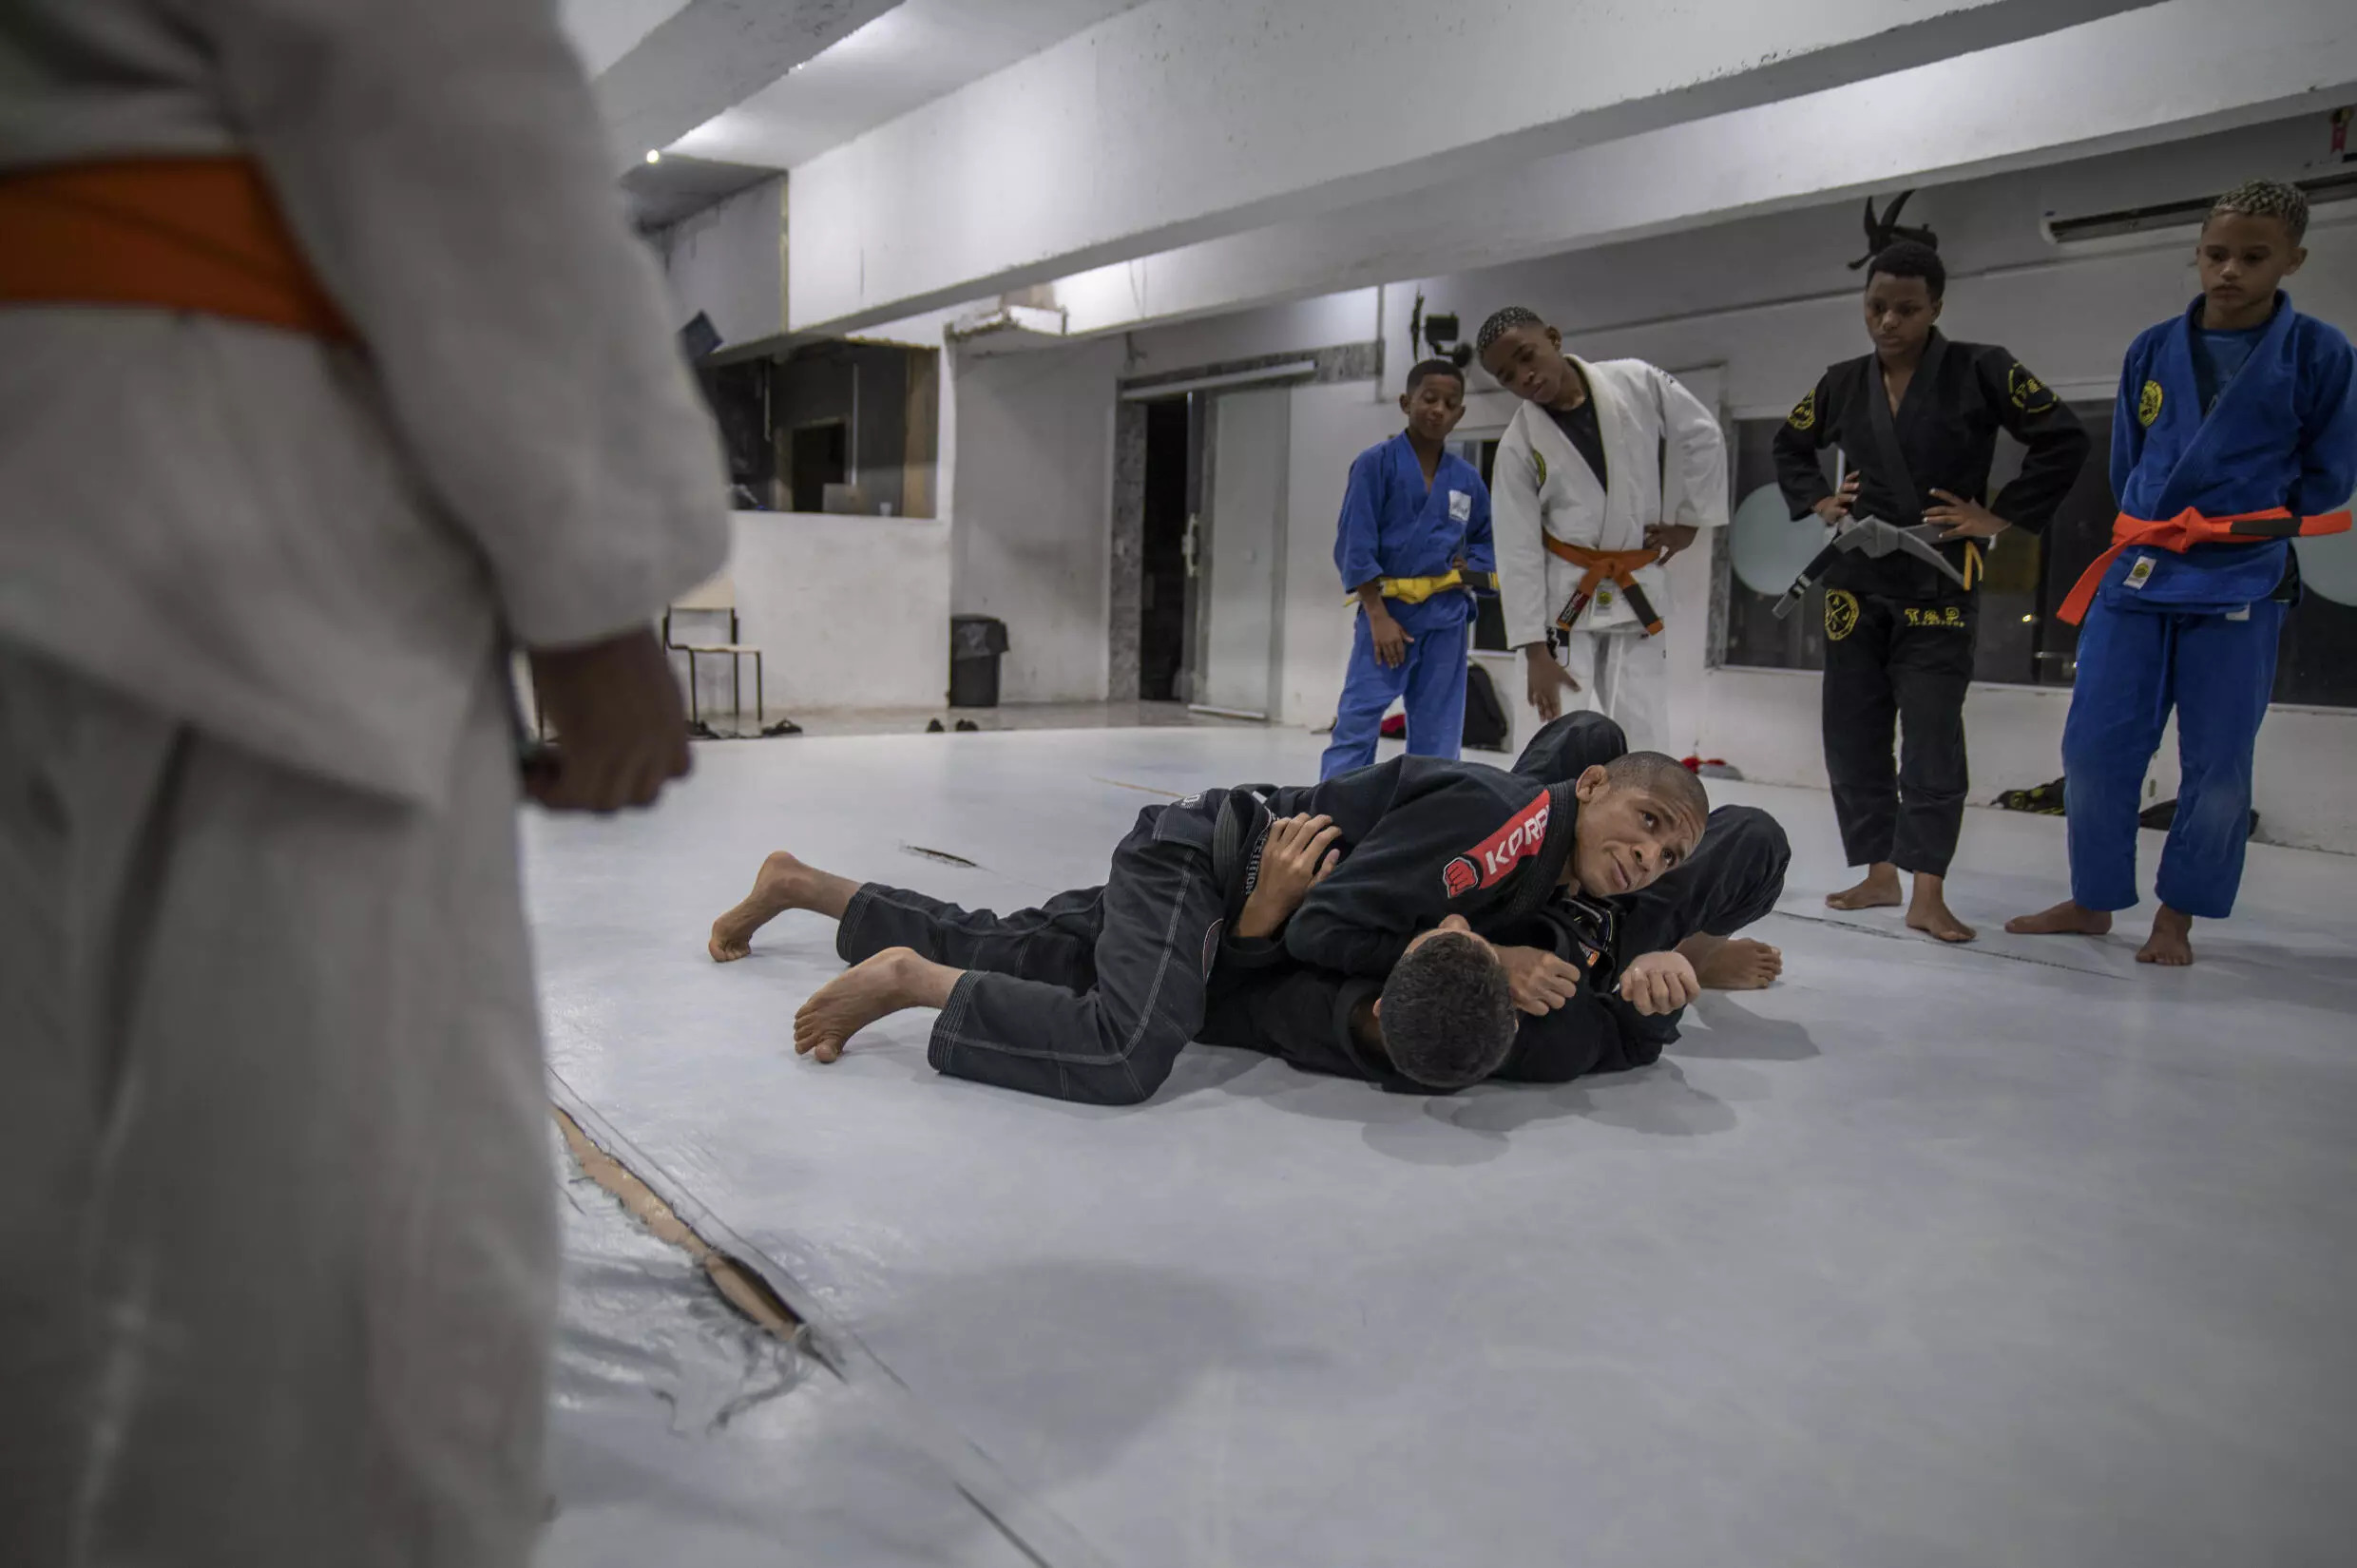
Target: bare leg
{"x": 893, "y": 981}
{"x": 2065, "y": 919}
{"x": 1731, "y": 964}
{"x": 2171, "y": 942}
{"x": 783, "y": 882}
{"x": 1879, "y": 890}
{"x": 1930, "y": 911}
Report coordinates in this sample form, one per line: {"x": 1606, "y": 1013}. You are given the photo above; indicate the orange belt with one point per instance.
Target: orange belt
{"x": 2188, "y": 527}
{"x": 1621, "y": 567}
{"x": 188, "y": 234}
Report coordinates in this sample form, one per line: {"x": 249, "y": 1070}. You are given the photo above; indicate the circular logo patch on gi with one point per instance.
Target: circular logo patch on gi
{"x": 2029, "y": 395}
{"x": 1804, "y": 416}
{"x": 1538, "y": 461}
{"x": 1841, "y": 614}
{"x": 2148, "y": 404}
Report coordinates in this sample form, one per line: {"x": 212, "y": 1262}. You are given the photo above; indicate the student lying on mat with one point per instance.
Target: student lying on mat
{"x": 1600, "y": 989}
{"x": 1092, "y": 996}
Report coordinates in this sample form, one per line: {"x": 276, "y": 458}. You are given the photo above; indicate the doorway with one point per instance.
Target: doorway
{"x": 1241, "y": 553}
{"x": 1165, "y": 596}
{"x": 820, "y": 456}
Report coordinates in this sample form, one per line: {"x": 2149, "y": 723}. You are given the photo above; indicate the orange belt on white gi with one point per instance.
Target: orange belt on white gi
{"x": 181, "y": 234}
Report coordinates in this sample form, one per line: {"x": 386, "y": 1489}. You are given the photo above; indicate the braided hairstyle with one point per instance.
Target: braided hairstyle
{"x": 2273, "y": 199}
{"x": 1501, "y": 322}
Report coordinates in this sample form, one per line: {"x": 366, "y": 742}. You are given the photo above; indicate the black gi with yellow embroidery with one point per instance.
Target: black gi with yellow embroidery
{"x": 1898, "y": 634}
{"x": 1322, "y": 1022}
{"x": 1091, "y": 996}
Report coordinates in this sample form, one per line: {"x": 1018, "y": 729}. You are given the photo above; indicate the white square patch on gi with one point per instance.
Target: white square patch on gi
{"x": 2141, "y": 572}
{"x": 2243, "y": 614}
{"x": 1460, "y": 506}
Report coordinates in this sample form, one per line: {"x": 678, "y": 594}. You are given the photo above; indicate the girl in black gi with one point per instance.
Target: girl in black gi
{"x": 1917, "y": 422}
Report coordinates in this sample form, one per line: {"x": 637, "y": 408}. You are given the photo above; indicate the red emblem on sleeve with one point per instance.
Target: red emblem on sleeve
{"x": 1460, "y": 876}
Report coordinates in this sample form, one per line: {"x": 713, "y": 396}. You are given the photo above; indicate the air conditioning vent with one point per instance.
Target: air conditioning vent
{"x": 2131, "y": 227}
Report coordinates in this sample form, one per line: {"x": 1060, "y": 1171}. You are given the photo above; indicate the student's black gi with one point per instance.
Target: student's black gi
{"x": 1898, "y": 634}
{"x": 1318, "y": 1021}
{"x": 1091, "y": 996}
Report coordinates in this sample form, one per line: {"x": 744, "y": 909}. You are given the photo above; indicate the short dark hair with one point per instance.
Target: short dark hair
{"x": 1912, "y": 258}
{"x": 1431, "y": 368}
{"x": 1666, "y": 776}
{"x": 2286, "y": 204}
{"x": 1504, "y": 322}
{"x": 1447, "y": 1015}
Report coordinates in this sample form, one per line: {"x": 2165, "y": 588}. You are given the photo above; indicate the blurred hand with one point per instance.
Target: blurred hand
{"x": 620, "y": 735}
{"x": 1659, "y": 982}
{"x": 1540, "y": 980}
{"x": 1836, "y": 507}
{"x": 1548, "y": 681}
{"x": 1669, "y": 538}
{"x": 1391, "y": 639}
{"x": 1298, "y": 856}
{"x": 1963, "y": 519}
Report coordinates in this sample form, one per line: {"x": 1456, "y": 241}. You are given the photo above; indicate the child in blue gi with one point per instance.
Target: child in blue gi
{"x": 1414, "y": 539}
{"x": 2236, "y": 428}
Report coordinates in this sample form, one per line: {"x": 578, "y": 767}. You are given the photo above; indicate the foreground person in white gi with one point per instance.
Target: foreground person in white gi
{"x": 277, "y": 1260}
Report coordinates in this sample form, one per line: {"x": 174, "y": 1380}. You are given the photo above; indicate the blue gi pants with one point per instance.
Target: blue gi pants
{"x": 2134, "y": 665}
{"x": 1433, "y": 677}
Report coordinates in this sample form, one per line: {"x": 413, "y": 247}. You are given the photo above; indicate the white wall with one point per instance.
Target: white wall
{"x": 849, "y": 612}
{"x": 1030, "y": 492}
{"x": 729, "y": 261}
{"x": 1327, "y": 321}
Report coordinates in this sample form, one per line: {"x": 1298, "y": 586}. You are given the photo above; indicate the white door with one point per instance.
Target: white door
{"x": 1242, "y": 560}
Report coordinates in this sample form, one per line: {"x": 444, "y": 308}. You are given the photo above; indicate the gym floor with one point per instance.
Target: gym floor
{"x": 2016, "y": 1253}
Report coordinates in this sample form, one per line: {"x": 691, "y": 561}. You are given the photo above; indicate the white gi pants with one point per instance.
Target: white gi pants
{"x": 1625, "y": 676}
{"x": 277, "y": 1247}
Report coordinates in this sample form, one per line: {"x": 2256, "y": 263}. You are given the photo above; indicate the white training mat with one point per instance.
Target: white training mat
{"x": 2014, "y": 1254}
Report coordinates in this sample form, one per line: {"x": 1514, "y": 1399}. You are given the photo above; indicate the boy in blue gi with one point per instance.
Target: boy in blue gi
{"x": 2236, "y": 428}
{"x": 1415, "y": 538}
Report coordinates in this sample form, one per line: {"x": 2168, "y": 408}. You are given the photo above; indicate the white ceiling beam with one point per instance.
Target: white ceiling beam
{"x": 2137, "y": 79}
{"x": 1183, "y": 121}
{"x": 701, "y": 57}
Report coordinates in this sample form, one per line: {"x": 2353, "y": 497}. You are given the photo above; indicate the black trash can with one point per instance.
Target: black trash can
{"x": 975, "y": 644}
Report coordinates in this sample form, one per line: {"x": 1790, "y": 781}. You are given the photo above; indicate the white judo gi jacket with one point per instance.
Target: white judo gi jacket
{"x": 1667, "y": 461}
{"x": 310, "y": 548}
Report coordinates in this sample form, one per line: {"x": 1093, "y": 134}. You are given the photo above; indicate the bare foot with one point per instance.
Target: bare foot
{"x": 2064, "y": 919}
{"x": 1929, "y": 911}
{"x": 893, "y": 981}
{"x": 2171, "y": 944}
{"x": 1737, "y": 963}
{"x": 1880, "y": 891}
{"x": 783, "y": 882}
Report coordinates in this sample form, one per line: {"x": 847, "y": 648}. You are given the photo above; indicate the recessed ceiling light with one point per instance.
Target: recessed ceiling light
{"x": 653, "y": 157}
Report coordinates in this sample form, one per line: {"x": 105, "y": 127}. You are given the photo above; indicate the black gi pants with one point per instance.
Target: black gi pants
{"x": 1089, "y": 996}
{"x": 1886, "y": 661}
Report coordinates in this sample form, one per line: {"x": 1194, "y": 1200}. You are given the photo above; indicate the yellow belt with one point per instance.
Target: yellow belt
{"x": 1415, "y": 590}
